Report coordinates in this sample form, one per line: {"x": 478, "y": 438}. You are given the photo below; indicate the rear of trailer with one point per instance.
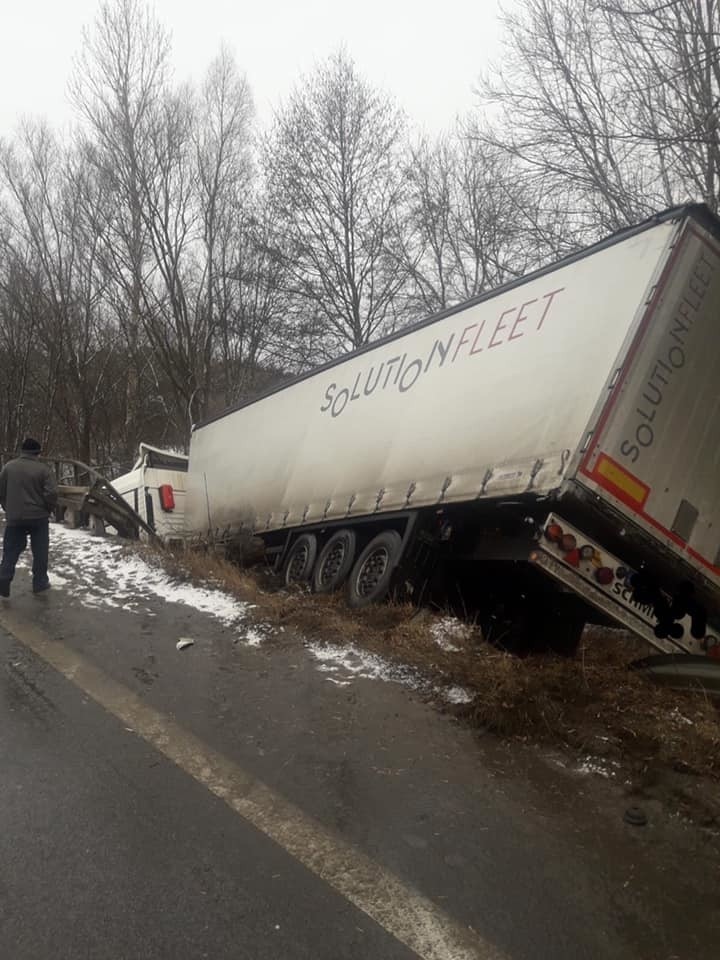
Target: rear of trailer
{"x": 645, "y": 478}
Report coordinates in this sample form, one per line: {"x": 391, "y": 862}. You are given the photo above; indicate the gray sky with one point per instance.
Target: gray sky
{"x": 427, "y": 53}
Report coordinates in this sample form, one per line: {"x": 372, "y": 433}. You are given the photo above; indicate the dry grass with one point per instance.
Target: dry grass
{"x": 592, "y": 703}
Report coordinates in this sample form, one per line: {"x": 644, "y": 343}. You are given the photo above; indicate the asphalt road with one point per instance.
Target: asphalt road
{"x": 232, "y": 801}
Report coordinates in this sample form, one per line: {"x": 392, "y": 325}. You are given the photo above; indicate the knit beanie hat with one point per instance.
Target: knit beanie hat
{"x": 30, "y": 446}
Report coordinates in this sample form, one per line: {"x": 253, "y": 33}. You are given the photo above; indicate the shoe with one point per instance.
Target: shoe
{"x": 4, "y": 588}
{"x": 41, "y": 586}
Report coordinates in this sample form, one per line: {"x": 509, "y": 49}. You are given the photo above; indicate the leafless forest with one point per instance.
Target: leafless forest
{"x": 165, "y": 257}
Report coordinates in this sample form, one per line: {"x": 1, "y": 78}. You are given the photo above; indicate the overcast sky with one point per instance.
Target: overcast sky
{"x": 427, "y": 53}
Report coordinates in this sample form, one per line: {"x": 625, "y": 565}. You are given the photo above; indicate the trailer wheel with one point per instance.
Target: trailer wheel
{"x": 334, "y": 562}
{"x": 370, "y": 578}
{"x": 300, "y": 559}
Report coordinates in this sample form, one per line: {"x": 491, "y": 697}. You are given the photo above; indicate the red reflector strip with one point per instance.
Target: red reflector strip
{"x": 618, "y": 481}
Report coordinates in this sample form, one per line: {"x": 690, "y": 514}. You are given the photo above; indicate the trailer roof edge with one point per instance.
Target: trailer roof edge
{"x": 698, "y": 211}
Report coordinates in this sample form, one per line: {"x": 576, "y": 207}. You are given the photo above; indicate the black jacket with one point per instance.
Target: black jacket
{"x": 28, "y": 490}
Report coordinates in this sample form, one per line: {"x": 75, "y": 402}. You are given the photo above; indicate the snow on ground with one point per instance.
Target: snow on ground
{"x": 678, "y": 719}
{"x": 103, "y": 574}
{"x": 352, "y": 663}
{"x": 600, "y": 766}
{"x": 458, "y": 695}
{"x": 448, "y": 631}
{"x": 590, "y": 765}
{"x": 347, "y": 663}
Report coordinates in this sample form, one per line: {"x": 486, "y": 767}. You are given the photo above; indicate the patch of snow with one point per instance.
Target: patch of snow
{"x": 253, "y": 638}
{"x": 356, "y": 663}
{"x": 450, "y": 629}
{"x": 679, "y": 718}
{"x": 458, "y": 695}
{"x": 353, "y": 663}
{"x": 594, "y": 765}
{"x": 57, "y": 579}
{"x": 25, "y": 563}
{"x": 103, "y": 574}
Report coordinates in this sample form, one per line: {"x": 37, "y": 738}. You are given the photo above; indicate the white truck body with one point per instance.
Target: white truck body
{"x": 140, "y": 488}
{"x": 596, "y": 377}
{"x": 655, "y": 451}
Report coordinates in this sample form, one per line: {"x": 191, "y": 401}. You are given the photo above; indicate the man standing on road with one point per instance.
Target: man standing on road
{"x": 28, "y": 494}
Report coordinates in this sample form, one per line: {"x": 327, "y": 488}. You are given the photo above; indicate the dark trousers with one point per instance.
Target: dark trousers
{"x": 15, "y": 541}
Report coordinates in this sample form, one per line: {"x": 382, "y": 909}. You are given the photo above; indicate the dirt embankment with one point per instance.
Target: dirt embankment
{"x": 661, "y": 742}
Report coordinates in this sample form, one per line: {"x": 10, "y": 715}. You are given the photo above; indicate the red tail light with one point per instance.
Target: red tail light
{"x": 167, "y": 497}
{"x": 553, "y": 532}
{"x": 567, "y": 542}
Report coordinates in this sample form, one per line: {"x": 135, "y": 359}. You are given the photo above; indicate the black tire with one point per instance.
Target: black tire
{"x": 300, "y": 560}
{"x": 334, "y": 562}
{"x": 372, "y": 572}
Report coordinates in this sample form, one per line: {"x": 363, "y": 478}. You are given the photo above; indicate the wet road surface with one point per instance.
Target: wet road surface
{"x": 233, "y": 800}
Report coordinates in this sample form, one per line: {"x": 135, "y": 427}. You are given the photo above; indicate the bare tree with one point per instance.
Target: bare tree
{"x": 59, "y": 257}
{"x": 21, "y": 304}
{"x": 223, "y": 141}
{"x": 610, "y": 108}
{"x": 119, "y": 82}
{"x": 668, "y": 54}
{"x": 467, "y": 223}
{"x": 260, "y": 338}
{"x": 140, "y": 279}
{"x": 179, "y": 165}
{"x": 168, "y": 182}
{"x": 334, "y": 175}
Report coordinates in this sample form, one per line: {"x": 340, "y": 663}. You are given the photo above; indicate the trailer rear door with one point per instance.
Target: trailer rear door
{"x": 655, "y": 452}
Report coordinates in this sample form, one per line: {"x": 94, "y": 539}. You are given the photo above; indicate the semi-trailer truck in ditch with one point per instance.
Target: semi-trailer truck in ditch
{"x": 557, "y": 440}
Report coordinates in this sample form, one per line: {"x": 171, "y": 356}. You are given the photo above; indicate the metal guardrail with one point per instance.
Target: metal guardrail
{"x": 87, "y": 494}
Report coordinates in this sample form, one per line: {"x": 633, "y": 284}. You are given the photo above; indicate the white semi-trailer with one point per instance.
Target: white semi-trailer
{"x": 558, "y": 439}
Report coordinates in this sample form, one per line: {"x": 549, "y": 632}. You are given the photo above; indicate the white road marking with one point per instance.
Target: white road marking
{"x": 402, "y": 911}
